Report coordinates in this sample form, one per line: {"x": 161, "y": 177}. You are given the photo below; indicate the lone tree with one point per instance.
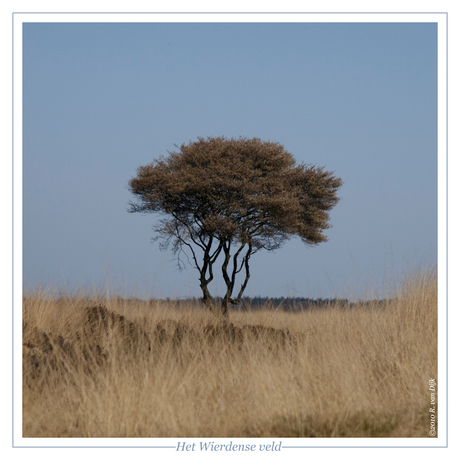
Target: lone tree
{"x": 233, "y": 197}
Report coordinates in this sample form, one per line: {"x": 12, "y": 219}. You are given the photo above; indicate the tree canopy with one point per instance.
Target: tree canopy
{"x": 233, "y": 197}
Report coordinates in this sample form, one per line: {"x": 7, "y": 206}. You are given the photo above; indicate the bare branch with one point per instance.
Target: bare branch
{"x": 246, "y": 264}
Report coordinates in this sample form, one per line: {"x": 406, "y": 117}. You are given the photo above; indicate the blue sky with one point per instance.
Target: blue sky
{"x": 99, "y": 100}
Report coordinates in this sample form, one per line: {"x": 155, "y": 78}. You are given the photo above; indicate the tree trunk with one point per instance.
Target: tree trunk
{"x": 224, "y": 310}
{"x": 207, "y": 299}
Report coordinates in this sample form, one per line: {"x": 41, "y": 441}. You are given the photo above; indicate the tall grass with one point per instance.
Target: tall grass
{"x": 109, "y": 368}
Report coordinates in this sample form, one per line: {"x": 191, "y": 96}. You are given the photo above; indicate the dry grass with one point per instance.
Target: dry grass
{"x": 128, "y": 369}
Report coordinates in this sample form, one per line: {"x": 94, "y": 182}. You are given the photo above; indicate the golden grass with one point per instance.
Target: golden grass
{"x": 136, "y": 369}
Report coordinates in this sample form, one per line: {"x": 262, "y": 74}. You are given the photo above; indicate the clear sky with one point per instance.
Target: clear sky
{"x": 99, "y": 100}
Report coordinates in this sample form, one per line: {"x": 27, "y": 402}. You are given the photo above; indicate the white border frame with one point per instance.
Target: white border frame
{"x": 440, "y": 18}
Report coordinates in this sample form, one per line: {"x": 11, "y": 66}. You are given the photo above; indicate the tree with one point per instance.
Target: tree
{"x": 232, "y": 197}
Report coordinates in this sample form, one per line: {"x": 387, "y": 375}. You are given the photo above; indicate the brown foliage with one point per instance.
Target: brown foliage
{"x": 244, "y": 194}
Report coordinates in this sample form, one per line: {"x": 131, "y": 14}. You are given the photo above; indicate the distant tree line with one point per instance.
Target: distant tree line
{"x": 297, "y": 304}
{"x": 291, "y": 303}
{"x": 288, "y": 304}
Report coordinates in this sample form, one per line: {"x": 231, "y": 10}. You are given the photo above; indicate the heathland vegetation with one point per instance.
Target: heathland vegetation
{"x": 107, "y": 367}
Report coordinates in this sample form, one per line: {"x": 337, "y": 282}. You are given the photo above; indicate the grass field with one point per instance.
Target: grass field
{"x": 98, "y": 367}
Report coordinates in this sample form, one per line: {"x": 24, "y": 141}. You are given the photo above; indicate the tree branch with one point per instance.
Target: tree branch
{"x": 246, "y": 264}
